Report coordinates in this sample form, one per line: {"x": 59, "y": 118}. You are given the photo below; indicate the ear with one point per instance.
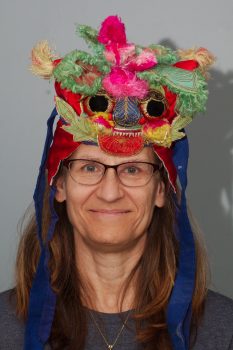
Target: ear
{"x": 160, "y": 195}
{"x": 60, "y": 194}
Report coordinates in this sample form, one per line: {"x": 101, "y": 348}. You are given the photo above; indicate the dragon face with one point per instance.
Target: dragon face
{"x": 119, "y": 125}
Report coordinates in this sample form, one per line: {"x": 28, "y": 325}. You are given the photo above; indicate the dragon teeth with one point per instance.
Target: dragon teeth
{"x": 130, "y": 134}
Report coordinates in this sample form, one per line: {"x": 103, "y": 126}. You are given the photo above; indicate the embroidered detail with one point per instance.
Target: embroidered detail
{"x": 126, "y": 112}
{"x": 121, "y": 145}
{"x": 74, "y": 66}
{"x": 190, "y": 87}
{"x": 80, "y": 127}
{"x": 160, "y": 136}
{"x": 84, "y": 128}
{"x": 164, "y": 135}
{"x": 178, "y": 124}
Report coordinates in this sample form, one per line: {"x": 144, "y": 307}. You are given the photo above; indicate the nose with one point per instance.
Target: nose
{"x": 126, "y": 112}
{"x": 110, "y": 189}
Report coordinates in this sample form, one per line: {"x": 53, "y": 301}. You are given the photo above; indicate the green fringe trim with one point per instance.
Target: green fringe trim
{"x": 166, "y": 55}
{"x": 190, "y": 87}
{"x": 90, "y": 36}
{"x": 68, "y": 70}
{"x": 189, "y": 105}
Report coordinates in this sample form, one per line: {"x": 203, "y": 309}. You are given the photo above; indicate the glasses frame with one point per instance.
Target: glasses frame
{"x": 156, "y": 167}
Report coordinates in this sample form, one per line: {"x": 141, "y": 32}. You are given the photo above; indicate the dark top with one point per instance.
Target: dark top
{"x": 214, "y": 333}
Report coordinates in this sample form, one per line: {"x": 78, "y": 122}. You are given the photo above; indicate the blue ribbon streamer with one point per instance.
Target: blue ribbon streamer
{"x": 179, "y": 307}
{"x": 42, "y": 299}
{"x": 40, "y": 184}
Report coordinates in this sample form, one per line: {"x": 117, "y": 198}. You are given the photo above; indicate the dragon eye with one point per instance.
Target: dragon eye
{"x": 98, "y": 103}
{"x": 154, "y": 106}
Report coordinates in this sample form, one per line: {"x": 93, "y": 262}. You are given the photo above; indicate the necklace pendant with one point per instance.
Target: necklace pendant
{"x": 110, "y": 347}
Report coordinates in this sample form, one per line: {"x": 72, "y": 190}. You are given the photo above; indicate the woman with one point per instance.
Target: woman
{"x": 109, "y": 260}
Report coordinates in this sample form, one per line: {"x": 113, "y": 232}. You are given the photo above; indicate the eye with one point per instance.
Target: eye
{"x": 98, "y": 103}
{"x": 131, "y": 170}
{"x": 154, "y": 106}
{"x": 90, "y": 168}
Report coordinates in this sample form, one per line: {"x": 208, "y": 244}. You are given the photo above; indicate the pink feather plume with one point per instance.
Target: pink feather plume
{"x": 120, "y": 83}
{"x": 112, "y": 31}
{"x": 125, "y": 61}
{"x": 145, "y": 60}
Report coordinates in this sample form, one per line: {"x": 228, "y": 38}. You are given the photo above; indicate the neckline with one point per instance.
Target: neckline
{"x": 108, "y": 314}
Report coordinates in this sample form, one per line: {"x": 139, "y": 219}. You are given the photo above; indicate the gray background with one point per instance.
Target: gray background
{"x": 26, "y": 102}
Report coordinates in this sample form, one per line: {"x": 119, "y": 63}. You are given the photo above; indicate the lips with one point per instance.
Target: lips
{"x": 110, "y": 212}
{"x": 107, "y": 212}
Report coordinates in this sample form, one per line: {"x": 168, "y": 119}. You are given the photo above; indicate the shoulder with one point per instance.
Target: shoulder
{"x": 217, "y": 303}
{"x": 216, "y": 328}
{"x": 11, "y": 328}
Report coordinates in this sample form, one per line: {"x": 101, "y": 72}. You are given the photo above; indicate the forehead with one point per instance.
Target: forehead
{"x": 94, "y": 152}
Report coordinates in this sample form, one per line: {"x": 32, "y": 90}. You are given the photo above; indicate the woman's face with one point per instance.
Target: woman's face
{"x": 109, "y": 213}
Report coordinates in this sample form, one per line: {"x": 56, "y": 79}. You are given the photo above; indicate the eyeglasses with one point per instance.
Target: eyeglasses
{"x": 91, "y": 172}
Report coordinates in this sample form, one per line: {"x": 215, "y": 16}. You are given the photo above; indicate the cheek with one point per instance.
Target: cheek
{"x": 75, "y": 199}
{"x": 145, "y": 203}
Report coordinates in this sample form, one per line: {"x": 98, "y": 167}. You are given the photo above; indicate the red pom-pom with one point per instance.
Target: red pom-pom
{"x": 112, "y": 31}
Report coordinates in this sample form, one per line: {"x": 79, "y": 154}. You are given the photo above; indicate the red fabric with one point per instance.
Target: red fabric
{"x": 62, "y": 147}
{"x": 56, "y": 62}
{"x": 188, "y": 65}
{"x": 165, "y": 155}
{"x": 69, "y": 97}
{"x": 170, "y": 113}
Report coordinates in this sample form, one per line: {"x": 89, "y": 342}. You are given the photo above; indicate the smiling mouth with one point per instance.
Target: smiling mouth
{"x": 110, "y": 212}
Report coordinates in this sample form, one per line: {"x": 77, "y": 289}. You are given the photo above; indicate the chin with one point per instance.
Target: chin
{"x": 112, "y": 240}
{"x": 107, "y": 238}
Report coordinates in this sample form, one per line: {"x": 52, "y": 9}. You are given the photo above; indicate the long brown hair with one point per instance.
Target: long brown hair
{"x": 155, "y": 270}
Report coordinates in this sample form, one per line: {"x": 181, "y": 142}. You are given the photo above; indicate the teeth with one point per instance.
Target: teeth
{"x": 129, "y": 134}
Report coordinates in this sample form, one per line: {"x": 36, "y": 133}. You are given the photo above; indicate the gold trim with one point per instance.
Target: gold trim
{"x": 156, "y": 96}
{"x": 110, "y": 103}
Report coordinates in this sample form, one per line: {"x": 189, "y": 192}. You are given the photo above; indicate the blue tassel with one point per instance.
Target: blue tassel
{"x": 179, "y": 307}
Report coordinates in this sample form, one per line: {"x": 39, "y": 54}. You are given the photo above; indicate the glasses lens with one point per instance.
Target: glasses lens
{"x": 86, "y": 172}
{"x": 135, "y": 174}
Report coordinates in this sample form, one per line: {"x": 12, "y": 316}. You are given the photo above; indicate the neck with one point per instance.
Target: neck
{"x": 104, "y": 273}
